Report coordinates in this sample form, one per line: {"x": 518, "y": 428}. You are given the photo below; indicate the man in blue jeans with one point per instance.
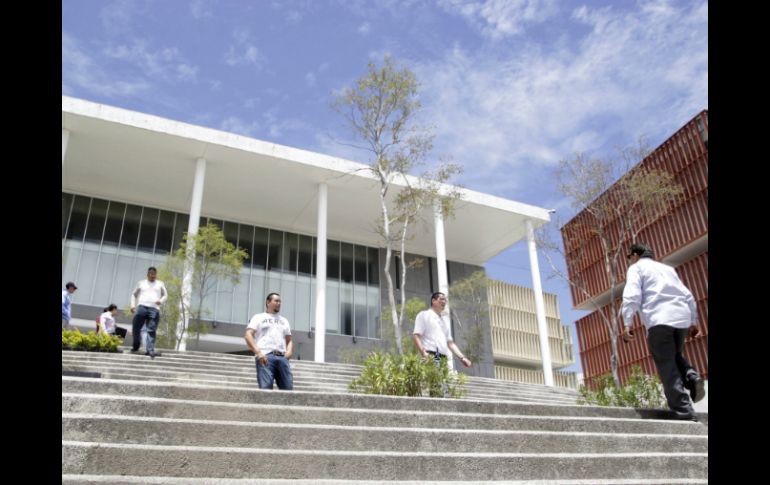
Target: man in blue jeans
{"x": 148, "y": 295}
{"x": 272, "y": 346}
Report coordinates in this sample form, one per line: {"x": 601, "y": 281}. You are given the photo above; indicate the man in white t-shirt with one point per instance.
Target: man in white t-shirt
{"x": 432, "y": 335}
{"x": 268, "y": 335}
{"x": 669, "y": 313}
{"x": 148, "y": 296}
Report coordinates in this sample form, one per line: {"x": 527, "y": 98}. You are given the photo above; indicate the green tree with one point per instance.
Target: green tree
{"x": 617, "y": 199}
{"x": 381, "y": 110}
{"x": 470, "y": 307}
{"x": 209, "y": 258}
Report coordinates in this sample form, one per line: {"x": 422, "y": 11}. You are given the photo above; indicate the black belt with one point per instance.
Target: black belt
{"x": 436, "y": 353}
{"x": 275, "y": 352}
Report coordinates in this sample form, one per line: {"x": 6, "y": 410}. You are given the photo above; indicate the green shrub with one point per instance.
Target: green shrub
{"x": 640, "y": 391}
{"x": 407, "y": 375}
{"x": 93, "y": 342}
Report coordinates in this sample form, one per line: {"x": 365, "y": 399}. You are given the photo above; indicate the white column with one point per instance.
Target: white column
{"x": 65, "y": 138}
{"x": 192, "y": 229}
{"x": 545, "y": 349}
{"x": 443, "y": 280}
{"x": 320, "y": 277}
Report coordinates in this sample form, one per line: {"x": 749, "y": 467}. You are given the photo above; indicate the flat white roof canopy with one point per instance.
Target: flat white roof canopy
{"x": 138, "y": 158}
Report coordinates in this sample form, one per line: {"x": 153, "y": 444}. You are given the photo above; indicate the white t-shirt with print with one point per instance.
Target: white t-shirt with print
{"x": 272, "y": 330}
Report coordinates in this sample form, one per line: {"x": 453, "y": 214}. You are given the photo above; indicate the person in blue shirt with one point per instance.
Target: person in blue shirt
{"x": 66, "y": 305}
{"x": 669, "y": 313}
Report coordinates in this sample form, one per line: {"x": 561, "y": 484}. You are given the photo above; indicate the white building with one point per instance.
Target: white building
{"x": 130, "y": 182}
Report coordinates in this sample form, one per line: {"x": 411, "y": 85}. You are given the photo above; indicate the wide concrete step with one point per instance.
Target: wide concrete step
{"x": 126, "y": 480}
{"x": 291, "y": 436}
{"x": 187, "y": 409}
{"x": 236, "y": 462}
{"x": 232, "y": 394}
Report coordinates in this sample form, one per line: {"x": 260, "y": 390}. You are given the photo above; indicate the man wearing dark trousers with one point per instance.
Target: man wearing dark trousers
{"x": 669, "y": 313}
{"x": 148, "y": 296}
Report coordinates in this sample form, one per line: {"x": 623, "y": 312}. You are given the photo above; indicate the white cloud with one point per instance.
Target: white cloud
{"x": 364, "y": 28}
{"x": 116, "y": 17}
{"x": 80, "y": 73}
{"x": 233, "y": 124}
{"x": 501, "y": 18}
{"x": 517, "y": 113}
{"x": 166, "y": 63}
{"x": 201, "y": 9}
{"x": 310, "y": 79}
{"x": 243, "y": 53}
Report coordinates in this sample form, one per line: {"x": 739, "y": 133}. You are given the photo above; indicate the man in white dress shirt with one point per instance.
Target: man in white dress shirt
{"x": 669, "y": 313}
{"x": 268, "y": 335}
{"x": 148, "y": 295}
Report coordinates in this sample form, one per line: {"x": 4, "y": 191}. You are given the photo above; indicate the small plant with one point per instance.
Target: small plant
{"x": 407, "y": 375}
{"x": 640, "y": 391}
{"x": 92, "y": 342}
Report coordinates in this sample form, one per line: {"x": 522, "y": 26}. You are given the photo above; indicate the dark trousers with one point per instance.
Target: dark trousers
{"x": 666, "y": 345}
{"x": 145, "y": 316}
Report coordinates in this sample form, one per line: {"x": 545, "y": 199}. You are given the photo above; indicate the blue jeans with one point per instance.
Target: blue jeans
{"x": 277, "y": 368}
{"x": 145, "y": 316}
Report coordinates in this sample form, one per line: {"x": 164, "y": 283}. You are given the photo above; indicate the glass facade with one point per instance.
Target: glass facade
{"x": 107, "y": 247}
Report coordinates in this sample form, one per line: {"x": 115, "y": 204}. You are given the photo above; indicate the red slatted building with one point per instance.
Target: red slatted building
{"x": 679, "y": 239}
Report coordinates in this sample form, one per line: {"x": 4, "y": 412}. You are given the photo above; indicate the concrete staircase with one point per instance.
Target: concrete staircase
{"x": 199, "y": 418}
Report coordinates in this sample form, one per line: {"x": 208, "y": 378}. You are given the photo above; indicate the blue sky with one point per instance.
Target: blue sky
{"x": 511, "y": 86}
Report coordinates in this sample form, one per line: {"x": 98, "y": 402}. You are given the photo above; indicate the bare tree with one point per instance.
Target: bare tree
{"x": 381, "y": 109}
{"x": 615, "y": 199}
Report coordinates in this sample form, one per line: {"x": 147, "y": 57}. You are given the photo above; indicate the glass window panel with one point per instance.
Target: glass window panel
{"x": 273, "y": 285}
{"x": 290, "y": 252}
{"x": 332, "y": 307}
{"x": 304, "y": 265}
{"x": 231, "y": 232}
{"x": 87, "y": 272}
{"x": 289, "y": 298}
{"x": 165, "y": 232}
{"x": 180, "y": 228}
{"x": 246, "y": 241}
{"x": 360, "y": 321}
{"x": 114, "y": 224}
{"x": 258, "y": 294}
{"x": 360, "y": 265}
{"x": 346, "y": 270}
{"x": 131, "y": 226}
{"x": 148, "y": 229}
{"x": 374, "y": 266}
{"x": 224, "y": 306}
{"x": 275, "y": 251}
{"x": 241, "y": 299}
{"x": 96, "y": 220}
{"x": 77, "y": 225}
{"x": 124, "y": 279}
{"x": 66, "y": 206}
{"x": 332, "y": 260}
{"x": 302, "y": 315}
{"x": 346, "y": 308}
{"x": 69, "y": 263}
{"x": 103, "y": 283}
{"x": 373, "y": 304}
{"x": 217, "y": 222}
{"x": 260, "y": 248}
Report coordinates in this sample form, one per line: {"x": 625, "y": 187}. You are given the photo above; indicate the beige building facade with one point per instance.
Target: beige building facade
{"x": 515, "y": 341}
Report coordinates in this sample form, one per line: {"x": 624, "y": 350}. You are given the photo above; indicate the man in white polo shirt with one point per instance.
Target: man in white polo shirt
{"x": 432, "y": 335}
{"x": 272, "y": 346}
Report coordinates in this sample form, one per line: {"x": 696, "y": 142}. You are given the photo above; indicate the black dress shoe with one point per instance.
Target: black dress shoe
{"x": 697, "y": 389}
{"x": 686, "y": 417}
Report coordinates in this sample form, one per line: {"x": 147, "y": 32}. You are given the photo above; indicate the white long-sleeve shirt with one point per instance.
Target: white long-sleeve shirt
{"x": 148, "y": 293}
{"x": 107, "y": 323}
{"x": 655, "y": 290}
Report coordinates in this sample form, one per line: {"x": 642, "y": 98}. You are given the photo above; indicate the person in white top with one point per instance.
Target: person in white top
{"x": 432, "y": 334}
{"x": 107, "y": 322}
{"x": 669, "y": 313}
{"x": 268, "y": 335}
{"x": 148, "y": 296}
